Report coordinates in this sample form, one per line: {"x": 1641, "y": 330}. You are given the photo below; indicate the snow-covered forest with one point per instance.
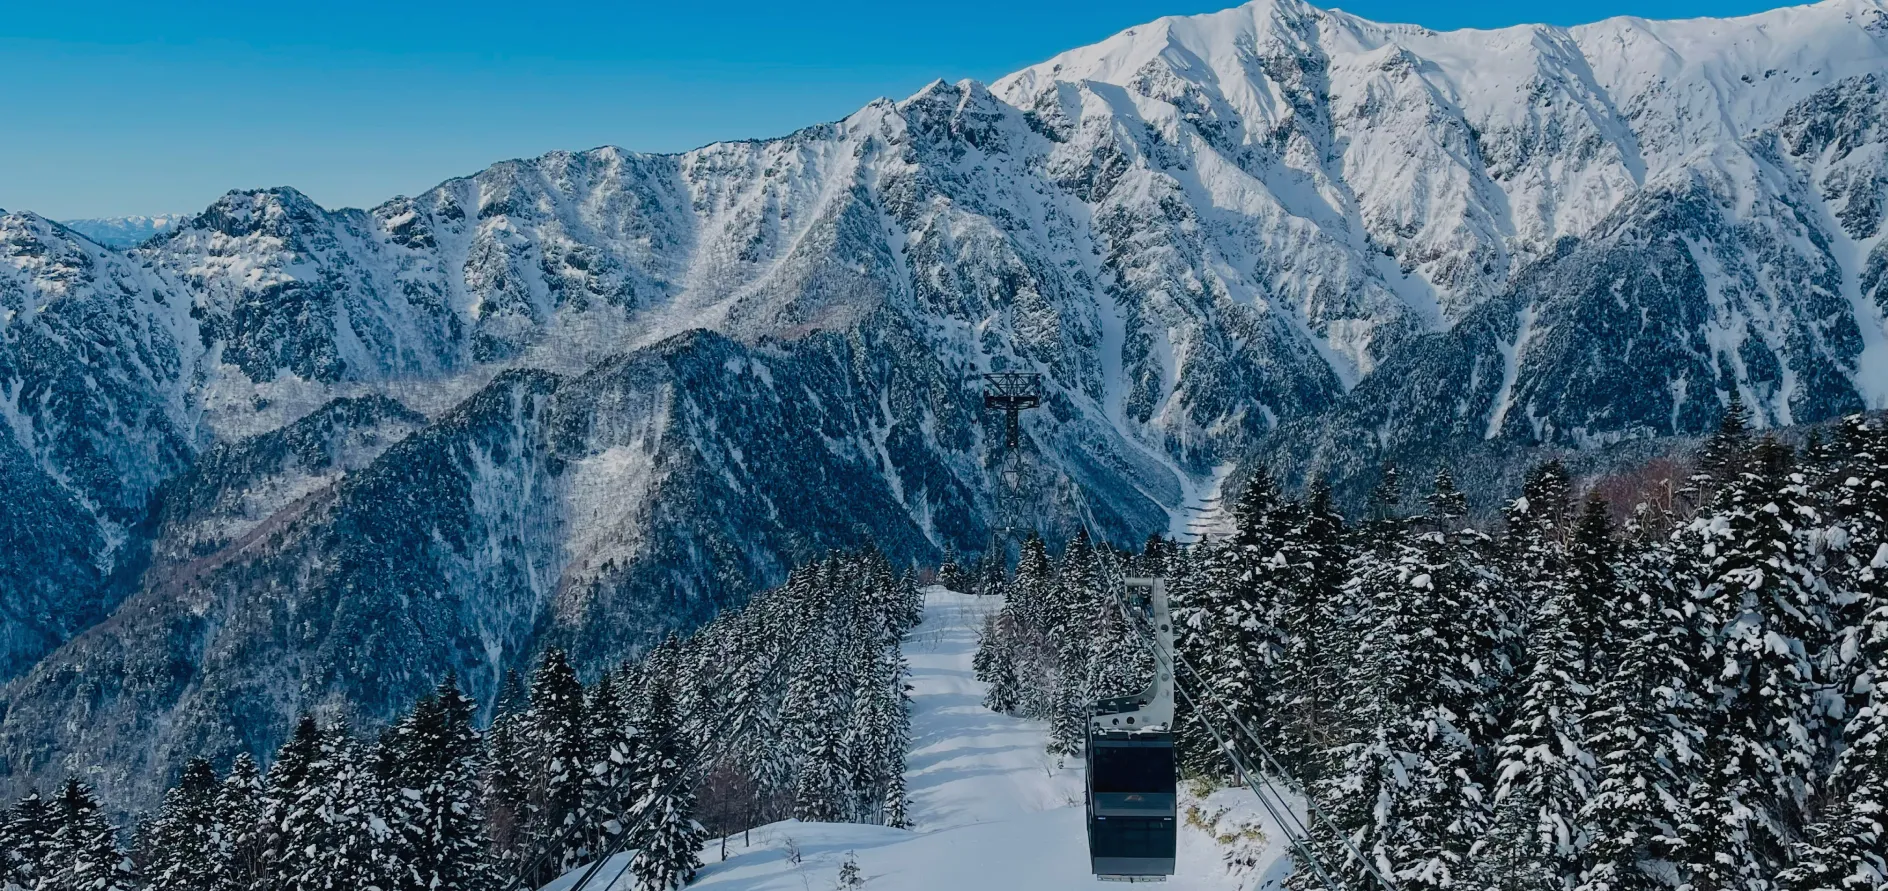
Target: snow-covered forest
{"x": 792, "y": 706}
{"x": 1683, "y": 689}
{"x": 1662, "y": 679}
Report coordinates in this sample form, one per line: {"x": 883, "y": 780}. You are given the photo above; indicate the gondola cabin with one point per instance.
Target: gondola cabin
{"x": 1132, "y": 797}
{"x": 1132, "y": 806}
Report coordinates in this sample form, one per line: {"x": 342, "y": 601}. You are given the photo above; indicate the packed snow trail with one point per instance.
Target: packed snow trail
{"x": 992, "y": 810}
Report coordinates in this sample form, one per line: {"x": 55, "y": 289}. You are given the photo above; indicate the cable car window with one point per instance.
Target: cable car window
{"x": 1133, "y": 769}
{"x": 1134, "y": 837}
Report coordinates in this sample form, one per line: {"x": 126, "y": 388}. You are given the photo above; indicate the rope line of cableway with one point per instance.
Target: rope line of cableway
{"x": 1310, "y": 805}
{"x": 1300, "y": 840}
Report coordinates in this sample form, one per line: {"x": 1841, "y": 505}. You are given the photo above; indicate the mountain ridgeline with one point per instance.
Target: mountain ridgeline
{"x": 279, "y": 458}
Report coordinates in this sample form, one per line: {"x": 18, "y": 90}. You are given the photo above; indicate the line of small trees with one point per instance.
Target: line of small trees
{"x": 794, "y": 705}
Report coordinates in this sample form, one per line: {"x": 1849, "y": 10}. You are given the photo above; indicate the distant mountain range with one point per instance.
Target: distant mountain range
{"x": 124, "y": 232}
{"x": 282, "y": 458}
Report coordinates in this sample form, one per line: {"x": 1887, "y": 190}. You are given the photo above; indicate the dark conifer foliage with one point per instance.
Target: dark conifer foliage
{"x": 794, "y": 704}
{"x": 1693, "y": 699}
{"x": 183, "y": 845}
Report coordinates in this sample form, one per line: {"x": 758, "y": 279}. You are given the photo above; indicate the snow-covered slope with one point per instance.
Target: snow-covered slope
{"x": 1274, "y": 230}
{"x": 991, "y": 809}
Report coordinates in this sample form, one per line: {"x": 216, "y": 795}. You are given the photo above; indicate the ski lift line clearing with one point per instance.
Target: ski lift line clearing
{"x": 1133, "y": 796}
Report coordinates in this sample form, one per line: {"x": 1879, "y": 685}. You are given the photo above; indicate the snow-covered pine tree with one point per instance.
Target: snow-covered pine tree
{"x": 1770, "y": 613}
{"x": 1080, "y": 579}
{"x": 1641, "y": 729}
{"x": 505, "y": 785}
{"x": 1448, "y": 507}
{"x": 1544, "y": 759}
{"x": 1385, "y": 507}
{"x": 434, "y": 806}
{"x": 292, "y": 807}
{"x": 1243, "y": 662}
{"x": 1723, "y": 456}
{"x": 1411, "y": 788}
{"x": 951, "y": 572}
{"x": 667, "y": 840}
{"x": 26, "y": 857}
{"x": 239, "y": 815}
{"x": 1033, "y": 603}
{"x": 824, "y": 789}
{"x": 1003, "y": 695}
{"x": 183, "y": 847}
{"x": 896, "y": 804}
{"x": 608, "y": 790}
{"x": 555, "y": 746}
{"x": 85, "y": 854}
{"x": 1314, "y": 557}
{"x": 1845, "y": 846}
{"x": 987, "y": 645}
{"x": 359, "y": 849}
{"x": 849, "y": 874}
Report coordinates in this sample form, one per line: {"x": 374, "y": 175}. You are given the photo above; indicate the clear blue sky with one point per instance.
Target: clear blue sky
{"x": 118, "y": 107}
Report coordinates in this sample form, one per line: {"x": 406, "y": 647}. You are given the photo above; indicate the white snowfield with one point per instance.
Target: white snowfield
{"x": 993, "y": 811}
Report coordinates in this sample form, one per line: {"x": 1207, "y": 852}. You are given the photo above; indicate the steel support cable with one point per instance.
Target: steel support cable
{"x": 1299, "y": 840}
{"x": 1310, "y": 805}
{"x": 1232, "y": 752}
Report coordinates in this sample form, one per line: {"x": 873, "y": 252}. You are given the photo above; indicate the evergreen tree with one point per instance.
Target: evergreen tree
{"x": 505, "y": 789}
{"x": 1313, "y": 558}
{"x": 1386, "y": 498}
{"x": 435, "y": 805}
{"x": 555, "y": 746}
{"x": 357, "y": 849}
{"x": 239, "y": 815}
{"x": 999, "y": 665}
{"x": 183, "y": 847}
{"x": 1723, "y": 457}
{"x": 951, "y": 572}
{"x": 292, "y": 808}
{"x": 849, "y": 874}
{"x": 668, "y": 840}
{"x": 26, "y": 858}
{"x": 1641, "y": 732}
{"x": 1447, "y": 504}
{"x": 1768, "y": 610}
{"x": 1845, "y": 847}
{"x": 1544, "y": 758}
{"x": 823, "y": 790}
{"x": 612, "y": 747}
{"x": 84, "y": 851}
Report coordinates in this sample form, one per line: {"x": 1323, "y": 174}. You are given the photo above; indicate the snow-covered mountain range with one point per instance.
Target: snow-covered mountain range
{"x": 282, "y": 457}
{"x": 125, "y": 232}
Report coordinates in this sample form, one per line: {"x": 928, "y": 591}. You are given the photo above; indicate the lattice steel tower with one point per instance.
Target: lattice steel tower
{"x": 1012, "y": 392}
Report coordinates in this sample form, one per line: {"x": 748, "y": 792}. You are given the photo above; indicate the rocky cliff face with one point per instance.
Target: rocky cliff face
{"x": 283, "y": 458}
